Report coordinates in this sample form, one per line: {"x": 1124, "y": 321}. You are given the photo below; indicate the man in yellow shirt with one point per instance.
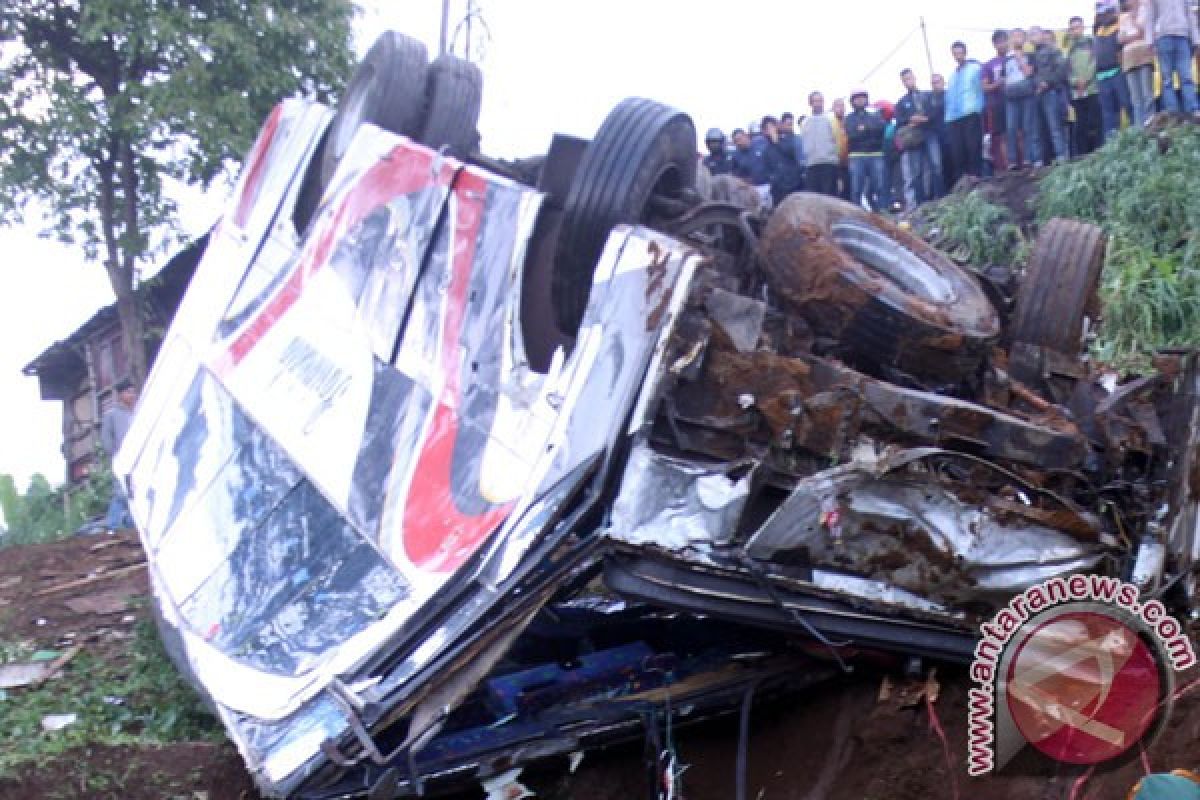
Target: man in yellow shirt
{"x": 839, "y": 130}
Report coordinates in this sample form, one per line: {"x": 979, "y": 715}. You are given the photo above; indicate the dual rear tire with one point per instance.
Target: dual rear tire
{"x": 396, "y": 88}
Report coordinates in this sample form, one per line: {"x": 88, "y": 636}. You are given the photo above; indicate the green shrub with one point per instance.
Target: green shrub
{"x": 973, "y": 231}
{"x": 1141, "y": 188}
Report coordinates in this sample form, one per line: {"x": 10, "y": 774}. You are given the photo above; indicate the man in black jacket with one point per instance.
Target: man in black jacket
{"x": 785, "y": 157}
{"x": 1114, "y": 91}
{"x": 864, "y": 132}
{"x": 913, "y": 120}
{"x": 935, "y": 143}
{"x": 1085, "y": 96}
{"x": 1050, "y": 79}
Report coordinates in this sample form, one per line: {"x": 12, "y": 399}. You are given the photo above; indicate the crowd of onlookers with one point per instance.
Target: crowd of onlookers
{"x": 1037, "y": 101}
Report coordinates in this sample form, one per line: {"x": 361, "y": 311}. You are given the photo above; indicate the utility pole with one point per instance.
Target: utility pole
{"x": 470, "y": 15}
{"x": 928, "y": 54}
{"x": 444, "y": 41}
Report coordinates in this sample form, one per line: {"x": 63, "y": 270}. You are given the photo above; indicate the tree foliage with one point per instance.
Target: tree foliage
{"x": 104, "y": 102}
{"x": 43, "y": 513}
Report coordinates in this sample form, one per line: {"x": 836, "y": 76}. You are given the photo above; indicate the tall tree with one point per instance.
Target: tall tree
{"x": 103, "y": 102}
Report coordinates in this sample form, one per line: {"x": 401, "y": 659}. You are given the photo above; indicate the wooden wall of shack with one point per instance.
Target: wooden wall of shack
{"x": 83, "y": 370}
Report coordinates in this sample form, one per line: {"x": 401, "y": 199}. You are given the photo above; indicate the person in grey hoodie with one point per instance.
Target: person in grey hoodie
{"x": 113, "y": 428}
{"x": 821, "y": 147}
{"x": 1172, "y": 25}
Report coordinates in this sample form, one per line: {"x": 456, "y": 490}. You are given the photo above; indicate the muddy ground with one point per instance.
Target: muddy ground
{"x": 838, "y": 742}
{"x": 1017, "y": 191}
{"x": 91, "y": 591}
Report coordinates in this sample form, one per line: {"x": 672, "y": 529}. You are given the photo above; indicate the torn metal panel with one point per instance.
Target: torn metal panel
{"x": 676, "y": 504}
{"x": 820, "y": 406}
{"x": 873, "y": 591}
{"x": 740, "y": 317}
{"x": 843, "y": 610}
{"x": 1128, "y": 419}
{"x": 1182, "y": 535}
{"x": 1057, "y": 374}
{"x": 913, "y": 534}
{"x": 946, "y": 421}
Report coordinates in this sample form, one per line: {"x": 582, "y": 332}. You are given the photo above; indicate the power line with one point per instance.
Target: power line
{"x": 928, "y": 53}
{"x": 888, "y": 57}
{"x": 964, "y": 29}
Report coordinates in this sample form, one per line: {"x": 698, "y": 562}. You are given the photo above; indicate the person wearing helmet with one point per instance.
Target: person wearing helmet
{"x": 864, "y": 133}
{"x": 718, "y": 161}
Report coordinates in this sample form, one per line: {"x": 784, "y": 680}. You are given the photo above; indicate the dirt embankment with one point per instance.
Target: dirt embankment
{"x": 88, "y": 595}
{"x": 844, "y": 744}
{"x": 839, "y": 742}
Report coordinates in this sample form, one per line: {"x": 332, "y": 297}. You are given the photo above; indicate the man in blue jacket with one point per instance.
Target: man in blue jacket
{"x": 964, "y": 115}
{"x": 748, "y": 163}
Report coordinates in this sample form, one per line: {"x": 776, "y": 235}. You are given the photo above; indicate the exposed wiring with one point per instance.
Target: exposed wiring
{"x": 1081, "y": 782}
{"x": 936, "y": 725}
{"x": 743, "y": 741}
{"x": 764, "y": 583}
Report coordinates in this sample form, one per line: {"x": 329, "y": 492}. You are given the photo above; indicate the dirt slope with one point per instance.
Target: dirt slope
{"x": 91, "y": 592}
{"x": 835, "y": 743}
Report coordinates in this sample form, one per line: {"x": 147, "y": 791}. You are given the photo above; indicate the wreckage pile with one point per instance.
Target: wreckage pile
{"x": 921, "y": 439}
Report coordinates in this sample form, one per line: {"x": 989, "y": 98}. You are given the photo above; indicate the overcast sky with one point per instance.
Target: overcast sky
{"x": 552, "y": 66}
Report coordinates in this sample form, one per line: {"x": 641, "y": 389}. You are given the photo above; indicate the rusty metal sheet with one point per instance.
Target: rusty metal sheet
{"x": 820, "y": 406}
{"x": 911, "y": 532}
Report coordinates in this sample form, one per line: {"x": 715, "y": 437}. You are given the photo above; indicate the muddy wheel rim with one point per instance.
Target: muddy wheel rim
{"x": 891, "y": 260}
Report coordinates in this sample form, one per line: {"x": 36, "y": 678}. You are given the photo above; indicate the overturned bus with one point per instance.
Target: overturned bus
{"x": 449, "y": 465}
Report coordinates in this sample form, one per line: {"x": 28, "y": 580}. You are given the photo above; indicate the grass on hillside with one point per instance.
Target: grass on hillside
{"x": 972, "y": 230}
{"x": 137, "y": 698}
{"x": 1141, "y": 188}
